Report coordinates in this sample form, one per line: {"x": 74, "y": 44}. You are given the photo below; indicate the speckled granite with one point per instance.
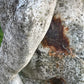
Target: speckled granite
{"x": 24, "y": 23}
{"x": 70, "y": 68}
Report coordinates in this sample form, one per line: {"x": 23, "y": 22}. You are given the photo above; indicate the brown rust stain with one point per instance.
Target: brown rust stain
{"x": 56, "y": 39}
{"x": 55, "y": 80}
{"x": 57, "y": 65}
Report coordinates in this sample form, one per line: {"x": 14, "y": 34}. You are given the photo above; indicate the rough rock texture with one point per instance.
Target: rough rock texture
{"x": 24, "y": 23}
{"x": 16, "y": 80}
{"x": 45, "y": 66}
{"x": 56, "y": 60}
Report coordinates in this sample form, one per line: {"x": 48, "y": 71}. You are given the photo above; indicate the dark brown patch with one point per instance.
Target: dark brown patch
{"x": 57, "y": 81}
{"x": 56, "y": 40}
{"x": 57, "y": 65}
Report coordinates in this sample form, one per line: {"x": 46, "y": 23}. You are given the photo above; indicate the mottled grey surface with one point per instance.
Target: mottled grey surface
{"x": 42, "y": 67}
{"x": 24, "y": 22}
{"x": 72, "y": 12}
{"x": 16, "y": 80}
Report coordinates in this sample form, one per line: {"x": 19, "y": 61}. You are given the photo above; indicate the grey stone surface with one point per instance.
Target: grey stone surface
{"x": 16, "y": 80}
{"x": 72, "y": 13}
{"x": 71, "y": 69}
{"x": 24, "y": 23}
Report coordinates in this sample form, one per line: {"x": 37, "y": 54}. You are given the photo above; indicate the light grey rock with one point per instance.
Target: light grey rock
{"x": 71, "y": 69}
{"x": 16, "y": 80}
{"x": 24, "y": 23}
{"x": 73, "y": 13}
